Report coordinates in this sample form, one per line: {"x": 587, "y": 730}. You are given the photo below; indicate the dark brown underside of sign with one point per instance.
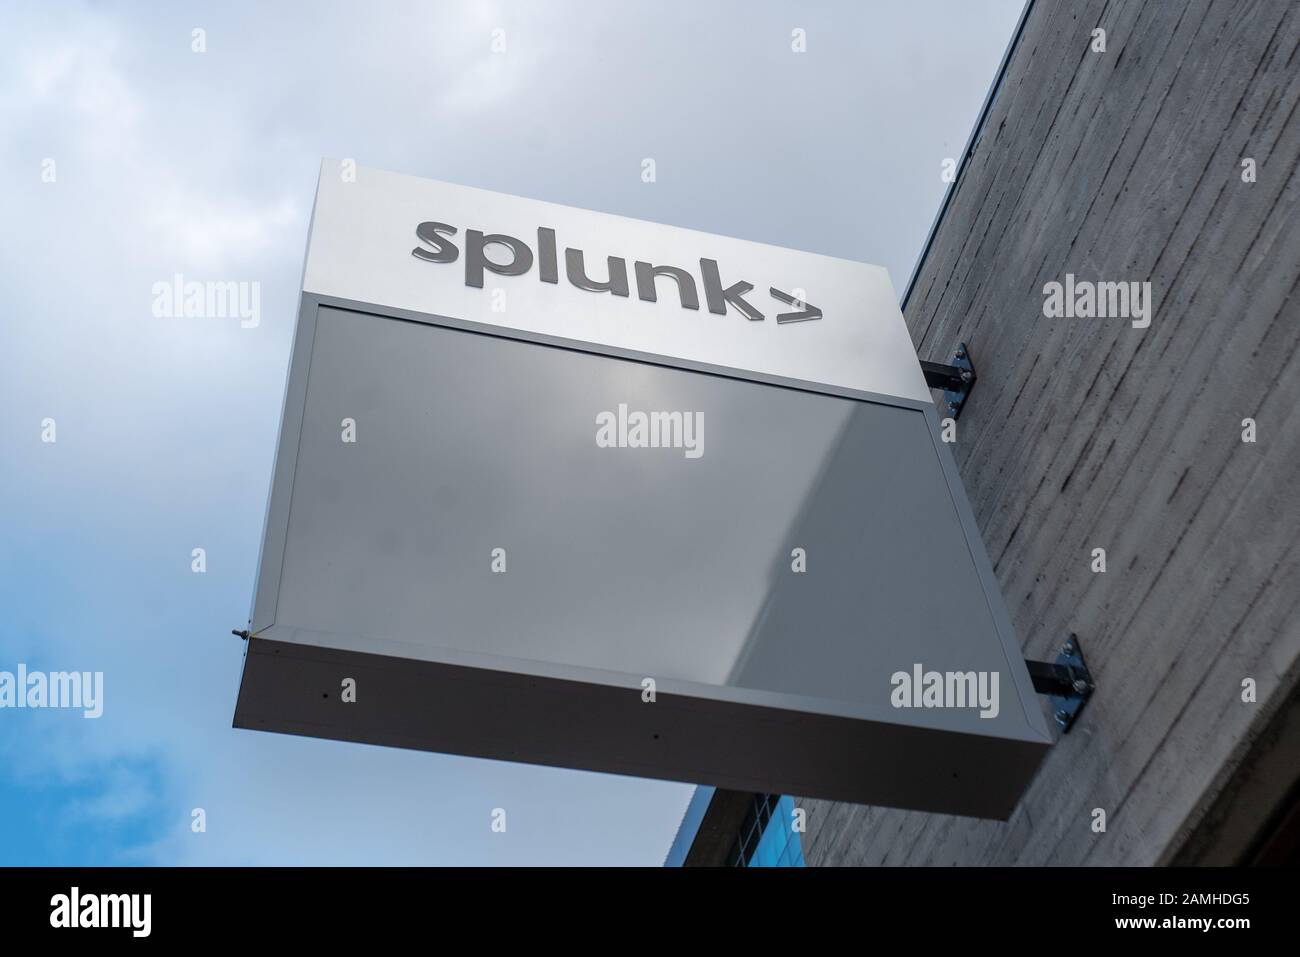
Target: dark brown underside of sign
{"x": 296, "y": 689}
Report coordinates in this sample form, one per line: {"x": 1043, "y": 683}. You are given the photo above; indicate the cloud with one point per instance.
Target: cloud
{"x": 203, "y": 228}
{"x": 205, "y": 164}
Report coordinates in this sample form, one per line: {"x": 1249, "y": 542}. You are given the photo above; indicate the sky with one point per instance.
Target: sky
{"x": 127, "y": 156}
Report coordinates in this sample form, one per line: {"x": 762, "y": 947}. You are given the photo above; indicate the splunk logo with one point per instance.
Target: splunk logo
{"x": 438, "y": 248}
{"x": 946, "y": 689}
{"x": 651, "y": 430}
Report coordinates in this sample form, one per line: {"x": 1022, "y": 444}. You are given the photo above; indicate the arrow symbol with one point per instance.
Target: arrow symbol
{"x": 810, "y": 311}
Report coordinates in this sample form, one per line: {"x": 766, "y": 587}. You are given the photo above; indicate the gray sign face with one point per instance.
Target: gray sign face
{"x": 504, "y": 541}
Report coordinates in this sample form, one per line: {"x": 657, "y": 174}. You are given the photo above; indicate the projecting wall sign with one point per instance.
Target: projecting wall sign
{"x": 561, "y": 487}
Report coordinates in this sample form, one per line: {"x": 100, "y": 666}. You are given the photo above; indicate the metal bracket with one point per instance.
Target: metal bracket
{"x": 955, "y": 380}
{"x": 1067, "y": 682}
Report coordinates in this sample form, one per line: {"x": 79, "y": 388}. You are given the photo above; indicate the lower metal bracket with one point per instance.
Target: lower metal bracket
{"x": 1067, "y": 682}
{"x": 955, "y": 380}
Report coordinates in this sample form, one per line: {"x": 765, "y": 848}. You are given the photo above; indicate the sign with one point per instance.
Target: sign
{"x": 566, "y": 488}
{"x": 440, "y": 249}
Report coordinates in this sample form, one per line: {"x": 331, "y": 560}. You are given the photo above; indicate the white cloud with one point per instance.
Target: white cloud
{"x": 171, "y": 161}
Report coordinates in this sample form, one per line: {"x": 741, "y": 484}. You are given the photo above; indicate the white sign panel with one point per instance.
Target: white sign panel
{"x": 367, "y": 246}
{"x": 567, "y": 488}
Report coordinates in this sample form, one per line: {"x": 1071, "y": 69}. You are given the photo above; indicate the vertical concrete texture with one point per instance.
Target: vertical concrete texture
{"x": 1084, "y": 433}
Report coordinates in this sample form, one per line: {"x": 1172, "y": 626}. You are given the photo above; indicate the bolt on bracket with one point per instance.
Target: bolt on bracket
{"x": 955, "y": 380}
{"x": 1067, "y": 682}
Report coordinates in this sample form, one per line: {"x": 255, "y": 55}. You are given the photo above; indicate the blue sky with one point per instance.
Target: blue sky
{"x": 169, "y": 161}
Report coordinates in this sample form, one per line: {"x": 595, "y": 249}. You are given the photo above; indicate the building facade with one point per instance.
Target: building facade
{"x": 1121, "y": 252}
{"x": 737, "y": 829}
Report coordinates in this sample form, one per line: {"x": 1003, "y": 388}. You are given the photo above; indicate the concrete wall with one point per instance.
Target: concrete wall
{"x": 1088, "y": 433}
